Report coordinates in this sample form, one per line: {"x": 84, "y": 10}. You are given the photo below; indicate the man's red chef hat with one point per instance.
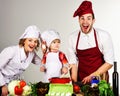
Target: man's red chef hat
{"x": 84, "y": 8}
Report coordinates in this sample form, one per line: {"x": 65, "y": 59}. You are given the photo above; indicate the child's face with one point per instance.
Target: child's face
{"x": 55, "y": 45}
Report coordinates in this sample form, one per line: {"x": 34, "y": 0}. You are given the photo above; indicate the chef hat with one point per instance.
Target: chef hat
{"x": 31, "y": 32}
{"x": 84, "y": 8}
{"x": 49, "y": 36}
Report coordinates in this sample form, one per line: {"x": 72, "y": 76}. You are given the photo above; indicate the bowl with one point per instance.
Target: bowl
{"x": 59, "y": 80}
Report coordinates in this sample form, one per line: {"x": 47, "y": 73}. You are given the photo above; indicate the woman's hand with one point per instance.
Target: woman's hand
{"x": 4, "y": 90}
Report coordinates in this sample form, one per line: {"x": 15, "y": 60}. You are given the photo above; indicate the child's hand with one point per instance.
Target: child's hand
{"x": 64, "y": 70}
{"x": 42, "y": 69}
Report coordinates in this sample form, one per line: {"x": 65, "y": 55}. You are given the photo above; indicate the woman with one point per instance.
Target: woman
{"x": 15, "y": 59}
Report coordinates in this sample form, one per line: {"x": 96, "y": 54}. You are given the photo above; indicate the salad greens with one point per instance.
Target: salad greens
{"x": 103, "y": 89}
{"x": 39, "y": 89}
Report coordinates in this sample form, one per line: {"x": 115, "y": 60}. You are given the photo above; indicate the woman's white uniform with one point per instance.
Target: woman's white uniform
{"x": 13, "y": 62}
{"x": 53, "y": 66}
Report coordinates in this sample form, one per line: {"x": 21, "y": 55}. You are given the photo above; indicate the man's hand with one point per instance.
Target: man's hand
{"x": 86, "y": 79}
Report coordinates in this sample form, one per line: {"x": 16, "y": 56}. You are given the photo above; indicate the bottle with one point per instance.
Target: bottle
{"x": 115, "y": 80}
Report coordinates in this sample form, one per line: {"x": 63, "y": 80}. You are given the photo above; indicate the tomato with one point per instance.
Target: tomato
{"x": 18, "y": 90}
{"x": 22, "y": 83}
{"x": 76, "y": 88}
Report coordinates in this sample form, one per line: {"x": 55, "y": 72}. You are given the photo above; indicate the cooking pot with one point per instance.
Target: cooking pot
{"x": 59, "y": 80}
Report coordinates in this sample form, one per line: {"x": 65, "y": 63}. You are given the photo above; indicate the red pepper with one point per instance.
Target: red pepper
{"x": 22, "y": 83}
{"x": 18, "y": 90}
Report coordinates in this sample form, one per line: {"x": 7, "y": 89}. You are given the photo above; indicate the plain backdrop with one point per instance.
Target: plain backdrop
{"x": 16, "y": 15}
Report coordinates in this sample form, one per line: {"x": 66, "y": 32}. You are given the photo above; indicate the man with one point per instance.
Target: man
{"x": 90, "y": 49}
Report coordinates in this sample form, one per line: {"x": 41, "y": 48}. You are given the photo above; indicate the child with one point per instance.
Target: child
{"x": 54, "y": 62}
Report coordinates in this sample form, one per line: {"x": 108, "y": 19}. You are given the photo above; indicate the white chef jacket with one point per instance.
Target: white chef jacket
{"x": 53, "y": 66}
{"x": 13, "y": 62}
{"x": 88, "y": 41}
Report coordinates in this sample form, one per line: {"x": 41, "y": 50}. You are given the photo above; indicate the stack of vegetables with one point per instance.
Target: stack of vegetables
{"x": 39, "y": 89}
{"x": 101, "y": 89}
{"x": 51, "y": 89}
{"x": 19, "y": 87}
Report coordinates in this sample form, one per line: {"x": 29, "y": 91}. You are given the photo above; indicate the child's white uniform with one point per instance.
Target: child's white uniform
{"x": 53, "y": 66}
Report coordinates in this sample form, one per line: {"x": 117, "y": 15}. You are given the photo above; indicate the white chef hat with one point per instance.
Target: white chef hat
{"x": 31, "y": 32}
{"x": 49, "y": 36}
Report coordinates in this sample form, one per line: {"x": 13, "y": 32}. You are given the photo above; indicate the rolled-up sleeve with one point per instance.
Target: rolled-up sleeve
{"x": 107, "y": 47}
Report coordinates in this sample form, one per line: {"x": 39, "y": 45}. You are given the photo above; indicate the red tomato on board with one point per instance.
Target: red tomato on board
{"x": 18, "y": 90}
{"x": 76, "y": 88}
{"x": 22, "y": 83}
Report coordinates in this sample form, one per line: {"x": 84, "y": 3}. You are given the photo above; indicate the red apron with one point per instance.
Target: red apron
{"x": 89, "y": 59}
